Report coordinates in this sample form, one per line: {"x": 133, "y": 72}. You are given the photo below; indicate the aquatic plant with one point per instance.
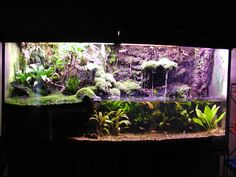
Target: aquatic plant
{"x": 174, "y": 116}
{"x": 208, "y": 119}
{"x": 140, "y": 115}
{"x": 103, "y": 122}
{"x": 185, "y": 115}
{"x": 111, "y": 122}
{"x": 119, "y": 120}
{"x": 89, "y": 91}
{"x": 125, "y": 106}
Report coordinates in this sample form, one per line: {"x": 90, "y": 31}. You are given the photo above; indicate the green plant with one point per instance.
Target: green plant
{"x": 127, "y": 87}
{"x": 111, "y": 122}
{"x": 116, "y": 105}
{"x": 71, "y": 85}
{"x": 208, "y": 119}
{"x": 140, "y": 115}
{"x": 103, "y": 122}
{"x": 166, "y": 63}
{"x": 85, "y": 91}
{"x": 119, "y": 120}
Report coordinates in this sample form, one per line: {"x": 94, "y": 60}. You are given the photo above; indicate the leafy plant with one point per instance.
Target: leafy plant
{"x": 208, "y": 119}
{"x": 110, "y": 123}
{"x": 71, "y": 85}
{"x": 103, "y": 122}
{"x": 34, "y": 76}
{"x": 119, "y": 120}
{"x": 140, "y": 115}
{"x": 116, "y": 105}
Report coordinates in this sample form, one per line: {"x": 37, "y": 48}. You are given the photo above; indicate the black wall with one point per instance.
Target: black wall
{"x": 163, "y": 22}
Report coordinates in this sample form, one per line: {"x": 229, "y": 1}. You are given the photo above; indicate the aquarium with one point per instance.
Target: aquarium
{"x": 138, "y": 91}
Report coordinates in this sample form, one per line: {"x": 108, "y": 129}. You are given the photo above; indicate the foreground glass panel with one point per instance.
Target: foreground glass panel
{"x": 136, "y": 88}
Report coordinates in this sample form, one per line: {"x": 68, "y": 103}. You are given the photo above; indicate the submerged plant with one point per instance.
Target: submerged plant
{"x": 111, "y": 122}
{"x": 119, "y": 120}
{"x": 208, "y": 119}
{"x": 103, "y": 122}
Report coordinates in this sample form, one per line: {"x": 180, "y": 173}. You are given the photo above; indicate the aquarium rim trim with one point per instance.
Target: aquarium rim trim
{"x": 124, "y": 44}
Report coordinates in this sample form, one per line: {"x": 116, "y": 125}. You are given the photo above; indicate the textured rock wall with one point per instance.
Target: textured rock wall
{"x": 194, "y": 64}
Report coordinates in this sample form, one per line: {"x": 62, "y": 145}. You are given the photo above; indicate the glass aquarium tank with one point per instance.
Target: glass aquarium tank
{"x": 139, "y": 92}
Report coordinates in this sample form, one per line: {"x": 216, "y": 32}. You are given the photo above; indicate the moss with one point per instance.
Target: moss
{"x": 89, "y": 91}
{"x": 149, "y": 65}
{"x": 166, "y": 63}
{"x": 99, "y": 70}
{"x": 103, "y": 86}
{"x": 43, "y": 100}
{"x": 99, "y": 79}
{"x": 115, "y": 92}
{"x": 127, "y": 86}
{"x": 109, "y": 77}
{"x": 59, "y": 99}
{"x": 71, "y": 85}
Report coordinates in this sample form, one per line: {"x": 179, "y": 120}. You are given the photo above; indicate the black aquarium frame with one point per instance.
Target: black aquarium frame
{"x": 67, "y": 157}
{"x": 209, "y": 143}
{"x": 190, "y": 157}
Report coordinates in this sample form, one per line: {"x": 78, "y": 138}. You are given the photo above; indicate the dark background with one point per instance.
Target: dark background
{"x": 196, "y": 23}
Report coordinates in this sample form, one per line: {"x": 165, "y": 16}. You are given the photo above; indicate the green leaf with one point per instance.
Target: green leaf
{"x": 198, "y": 121}
{"x": 105, "y": 131}
{"x": 220, "y": 118}
{"x": 199, "y": 113}
{"x": 214, "y": 110}
{"x": 208, "y": 115}
{"x": 44, "y": 77}
{"x": 161, "y": 124}
{"x": 126, "y": 122}
{"x": 100, "y": 116}
{"x": 94, "y": 119}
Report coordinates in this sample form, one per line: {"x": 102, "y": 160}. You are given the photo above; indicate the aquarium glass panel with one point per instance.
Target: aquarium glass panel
{"x": 0, "y": 89}
{"x": 139, "y": 91}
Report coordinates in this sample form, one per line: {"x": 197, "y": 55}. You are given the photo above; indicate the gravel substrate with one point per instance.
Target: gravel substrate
{"x": 155, "y": 136}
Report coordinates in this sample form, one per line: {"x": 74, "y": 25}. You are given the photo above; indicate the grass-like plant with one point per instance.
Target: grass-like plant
{"x": 208, "y": 119}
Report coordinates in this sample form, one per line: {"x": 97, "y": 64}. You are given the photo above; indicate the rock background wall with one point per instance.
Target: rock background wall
{"x": 194, "y": 65}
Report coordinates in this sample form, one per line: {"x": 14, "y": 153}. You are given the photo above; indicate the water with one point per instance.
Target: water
{"x": 160, "y": 117}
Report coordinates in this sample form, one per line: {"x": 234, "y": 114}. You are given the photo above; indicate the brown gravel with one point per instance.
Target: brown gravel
{"x": 155, "y": 136}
